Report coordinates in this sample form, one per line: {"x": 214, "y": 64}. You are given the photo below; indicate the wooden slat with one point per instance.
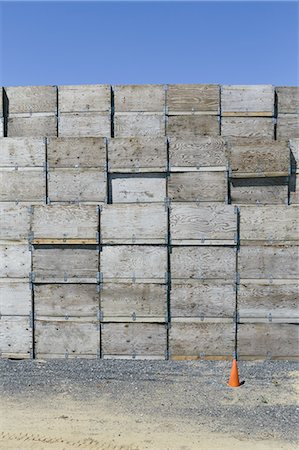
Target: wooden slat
{"x": 22, "y": 152}
{"x": 192, "y": 126}
{"x": 196, "y": 223}
{"x": 139, "y": 124}
{"x": 203, "y": 98}
{"x": 22, "y": 185}
{"x": 288, "y": 126}
{"x": 138, "y": 189}
{"x": 134, "y": 339}
{"x": 76, "y": 152}
{"x": 255, "y": 127}
{"x": 140, "y": 264}
{"x": 15, "y": 298}
{"x": 1, "y": 127}
{"x": 84, "y": 125}
{"x": 14, "y": 222}
{"x": 265, "y": 192}
{"x": 198, "y": 187}
{"x": 294, "y": 147}
{"x": 84, "y": 98}
{"x": 15, "y": 337}
{"x": 287, "y": 99}
{"x": 245, "y": 100}
{"x": 136, "y": 224}
{"x": 32, "y": 126}
{"x": 294, "y": 189}
{"x": 31, "y": 99}
{"x": 15, "y": 260}
{"x": 139, "y": 98}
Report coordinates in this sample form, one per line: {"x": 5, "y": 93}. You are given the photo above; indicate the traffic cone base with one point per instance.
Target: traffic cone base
{"x": 234, "y": 375}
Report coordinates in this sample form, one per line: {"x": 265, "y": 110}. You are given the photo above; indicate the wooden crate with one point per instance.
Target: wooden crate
{"x": 84, "y": 152}
{"x": 77, "y": 185}
{"x": 202, "y": 299}
{"x": 65, "y": 265}
{"x": 201, "y": 263}
{"x": 247, "y": 100}
{"x": 87, "y": 124}
{"x": 294, "y": 148}
{"x": 287, "y": 126}
{"x": 287, "y": 99}
{"x": 253, "y": 127}
{"x": 134, "y": 340}
{"x": 193, "y": 98}
{"x": 60, "y": 338}
{"x": 54, "y": 224}
{"x": 139, "y": 98}
{"x": 192, "y": 126}
{"x": 15, "y": 337}
{"x": 139, "y": 302}
{"x": 31, "y": 99}
{"x": 22, "y": 152}
{"x": 268, "y": 340}
{"x": 138, "y": 189}
{"x": 23, "y": 185}
{"x": 198, "y": 187}
{"x": 134, "y": 263}
{"x": 203, "y": 153}
{"x": 261, "y": 191}
{"x": 134, "y": 224}
{"x": 15, "y": 297}
{"x": 15, "y": 260}
{"x": 139, "y": 124}
{"x": 14, "y": 222}
{"x": 32, "y": 126}
{"x": 196, "y": 339}
{"x": 141, "y": 154}
{"x": 195, "y": 224}
{"x": 68, "y": 300}
{"x": 84, "y": 98}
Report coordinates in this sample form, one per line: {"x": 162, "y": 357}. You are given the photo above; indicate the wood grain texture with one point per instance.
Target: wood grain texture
{"x": 15, "y": 260}
{"x": 256, "y": 127}
{"x": 138, "y": 189}
{"x": 22, "y": 152}
{"x": 294, "y": 148}
{"x": 31, "y": 99}
{"x": 139, "y": 124}
{"x": 15, "y": 298}
{"x": 287, "y": 99}
{"x": 84, "y": 125}
{"x": 32, "y": 126}
{"x": 192, "y": 126}
{"x": 245, "y": 99}
{"x": 85, "y": 152}
{"x": 84, "y": 98}
{"x": 139, "y": 98}
{"x": 203, "y": 98}
{"x": 198, "y": 187}
{"x": 22, "y": 185}
{"x": 287, "y": 126}
{"x": 257, "y": 193}
{"x": 14, "y": 222}
{"x": 15, "y": 337}
{"x": 294, "y": 190}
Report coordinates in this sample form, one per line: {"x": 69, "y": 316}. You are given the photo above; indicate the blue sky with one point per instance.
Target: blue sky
{"x": 149, "y": 42}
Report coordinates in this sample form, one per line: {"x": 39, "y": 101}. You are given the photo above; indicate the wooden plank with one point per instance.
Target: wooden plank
{"x": 22, "y": 185}
{"x": 288, "y": 126}
{"x": 22, "y": 152}
{"x": 202, "y": 98}
{"x": 15, "y": 298}
{"x": 84, "y": 98}
{"x": 136, "y": 224}
{"x": 140, "y": 264}
{"x": 133, "y": 302}
{"x": 255, "y": 100}
{"x": 1, "y": 127}
{"x": 61, "y": 265}
{"x": 201, "y": 263}
{"x": 14, "y": 222}
{"x": 263, "y": 195}
{"x": 142, "y": 154}
{"x": 70, "y": 185}
{"x": 294, "y": 189}
{"x": 198, "y": 187}
{"x": 65, "y": 222}
{"x": 31, "y": 99}
{"x": 67, "y": 300}
{"x": 196, "y": 223}
{"x": 193, "y": 298}
{"x": 201, "y": 152}
{"x": 139, "y": 124}
{"x": 138, "y": 189}
{"x": 84, "y": 125}
{"x": 139, "y": 98}
{"x": 134, "y": 339}
{"x": 15, "y": 337}
{"x": 287, "y": 99}
{"x": 76, "y": 152}
{"x": 294, "y": 148}
{"x": 201, "y": 339}
{"x": 192, "y": 126}
{"x": 15, "y": 261}
{"x": 1, "y": 102}
{"x": 268, "y": 262}
{"x": 268, "y": 340}
{"x": 60, "y": 338}
{"x": 32, "y": 126}
{"x": 255, "y": 127}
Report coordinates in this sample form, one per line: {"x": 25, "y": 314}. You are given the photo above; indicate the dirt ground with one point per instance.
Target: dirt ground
{"x": 136, "y": 405}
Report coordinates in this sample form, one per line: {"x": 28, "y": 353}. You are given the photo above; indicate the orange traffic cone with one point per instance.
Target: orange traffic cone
{"x": 234, "y": 375}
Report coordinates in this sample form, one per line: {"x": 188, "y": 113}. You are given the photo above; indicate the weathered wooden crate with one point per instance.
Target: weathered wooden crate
{"x": 31, "y": 99}
{"x": 134, "y": 340}
{"x": 247, "y": 100}
{"x": 201, "y": 263}
{"x": 193, "y": 98}
{"x": 271, "y": 223}
{"x": 22, "y": 152}
{"x": 192, "y": 126}
{"x": 202, "y": 299}
{"x": 85, "y": 152}
{"x": 197, "y": 339}
{"x": 15, "y": 297}
{"x": 15, "y": 337}
{"x": 134, "y": 263}
{"x": 139, "y": 124}
{"x": 254, "y": 127}
{"x": 22, "y": 185}
{"x": 84, "y": 98}
{"x": 139, "y": 302}
{"x": 287, "y": 126}
{"x": 32, "y": 126}
{"x": 65, "y": 265}
{"x": 287, "y": 99}
{"x": 66, "y": 338}
{"x": 195, "y": 224}
{"x": 139, "y": 98}
{"x": 89, "y": 124}
{"x": 14, "y": 222}
{"x": 198, "y": 187}
{"x": 134, "y": 224}
{"x": 77, "y": 185}
{"x": 69, "y": 224}
{"x": 259, "y": 191}
{"x": 294, "y": 148}
{"x": 68, "y": 300}
{"x": 15, "y": 260}
{"x": 141, "y": 154}
{"x": 268, "y": 340}
{"x": 138, "y": 189}
{"x": 201, "y": 154}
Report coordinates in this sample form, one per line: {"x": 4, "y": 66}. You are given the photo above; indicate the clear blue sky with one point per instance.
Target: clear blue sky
{"x": 149, "y": 42}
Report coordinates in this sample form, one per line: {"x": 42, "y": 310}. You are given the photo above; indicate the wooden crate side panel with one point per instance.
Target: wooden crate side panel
{"x": 15, "y": 261}
{"x": 203, "y": 98}
{"x": 198, "y": 187}
{"x": 15, "y": 337}
{"x": 263, "y": 194}
{"x": 139, "y": 98}
{"x": 134, "y": 190}
{"x": 257, "y": 99}
{"x": 256, "y": 127}
{"x": 31, "y": 99}
{"x": 14, "y": 222}
{"x": 84, "y": 98}
{"x": 288, "y": 126}
{"x": 294, "y": 147}
{"x": 287, "y": 99}
{"x": 76, "y": 152}
{"x": 192, "y": 126}
{"x": 139, "y": 124}
{"x": 22, "y": 152}
{"x": 15, "y": 299}
{"x": 84, "y": 125}
{"x": 22, "y": 185}
{"x": 32, "y": 126}
{"x": 294, "y": 190}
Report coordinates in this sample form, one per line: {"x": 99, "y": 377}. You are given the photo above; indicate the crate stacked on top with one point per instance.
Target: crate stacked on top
{"x": 287, "y": 101}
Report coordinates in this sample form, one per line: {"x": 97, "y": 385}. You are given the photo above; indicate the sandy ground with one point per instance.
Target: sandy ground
{"x": 144, "y": 405}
